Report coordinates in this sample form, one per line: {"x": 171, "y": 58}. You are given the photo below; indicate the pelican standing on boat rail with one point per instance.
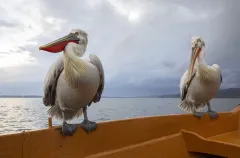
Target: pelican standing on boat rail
{"x": 200, "y": 83}
{"x": 72, "y": 83}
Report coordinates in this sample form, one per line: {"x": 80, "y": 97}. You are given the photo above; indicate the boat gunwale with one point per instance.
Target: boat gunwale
{"x": 111, "y": 135}
{"x": 235, "y": 110}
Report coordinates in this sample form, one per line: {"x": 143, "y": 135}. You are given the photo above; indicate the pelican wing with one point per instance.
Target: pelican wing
{"x": 184, "y": 85}
{"x": 50, "y": 83}
{"x": 96, "y": 61}
{"x": 216, "y": 68}
{"x": 221, "y": 77}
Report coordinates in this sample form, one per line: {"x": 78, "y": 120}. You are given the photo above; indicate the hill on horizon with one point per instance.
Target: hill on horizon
{"x": 222, "y": 93}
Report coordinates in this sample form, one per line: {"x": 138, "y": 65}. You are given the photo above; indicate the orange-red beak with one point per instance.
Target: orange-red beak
{"x": 59, "y": 45}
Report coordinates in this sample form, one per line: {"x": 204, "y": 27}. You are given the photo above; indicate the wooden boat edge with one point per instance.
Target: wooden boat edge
{"x": 102, "y": 123}
{"x": 109, "y": 136}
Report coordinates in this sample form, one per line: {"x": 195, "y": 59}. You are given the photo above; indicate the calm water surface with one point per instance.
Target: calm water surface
{"x": 19, "y": 114}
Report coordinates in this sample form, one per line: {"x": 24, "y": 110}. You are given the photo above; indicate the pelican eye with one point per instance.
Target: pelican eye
{"x": 76, "y": 33}
{"x": 195, "y": 45}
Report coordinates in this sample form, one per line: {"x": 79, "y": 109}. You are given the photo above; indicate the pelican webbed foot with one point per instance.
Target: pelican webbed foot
{"x": 68, "y": 129}
{"x": 88, "y": 126}
{"x": 198, "y": 114}
{"x": 212, "y": 114}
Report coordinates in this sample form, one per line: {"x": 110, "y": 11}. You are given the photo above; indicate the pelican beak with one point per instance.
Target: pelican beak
{"x": 59, "y": 44}
{"x": 195, "y": 53}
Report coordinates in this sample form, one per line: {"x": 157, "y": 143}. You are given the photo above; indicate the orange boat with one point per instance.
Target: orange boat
{"x": 172, "y": 136}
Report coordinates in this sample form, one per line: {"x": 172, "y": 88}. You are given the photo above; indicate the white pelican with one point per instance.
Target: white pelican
{"x": 199, "y": 86}
{"x": 72, "y": 83}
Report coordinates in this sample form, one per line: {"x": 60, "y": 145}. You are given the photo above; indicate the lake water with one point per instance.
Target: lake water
{"x": 19, "y": 114}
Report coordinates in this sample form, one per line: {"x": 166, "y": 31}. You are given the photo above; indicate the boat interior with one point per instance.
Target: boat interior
{"x": 171, "y": 136}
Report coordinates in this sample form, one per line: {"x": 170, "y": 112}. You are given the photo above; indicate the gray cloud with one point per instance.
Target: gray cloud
{"x": 4, "y": 23}
{"x": 144, "y": 45}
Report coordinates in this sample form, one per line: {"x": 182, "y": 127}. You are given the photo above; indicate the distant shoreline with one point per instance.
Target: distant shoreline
{"x": 164, "y": 97}
{"x": 18, "y": 96}
{"x": 222, "y": 93}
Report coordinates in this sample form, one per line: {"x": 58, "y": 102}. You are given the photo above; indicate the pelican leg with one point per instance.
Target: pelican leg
{"x": 212, "y": 114}
{"x": 68, "y": 129}
{"x": 198, "y": 114}
{"x": 88, "y": 126}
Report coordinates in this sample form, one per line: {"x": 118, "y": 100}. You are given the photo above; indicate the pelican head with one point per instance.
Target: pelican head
{"x": 76, "y": 36}
{"x": 197, "y": 46}
{"x": 197, "y": 42}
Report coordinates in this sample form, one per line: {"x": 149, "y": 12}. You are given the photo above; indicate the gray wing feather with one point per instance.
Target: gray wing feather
{"x": 96, "y": 61}
{"x": 50, "y": 83}
{"x": 185, "y": 88}
{"x": 221, "y": 77}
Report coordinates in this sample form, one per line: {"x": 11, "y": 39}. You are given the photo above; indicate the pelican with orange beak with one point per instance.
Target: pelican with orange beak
{"x": 200, "y": 83}
{"x": 72, "y": 83}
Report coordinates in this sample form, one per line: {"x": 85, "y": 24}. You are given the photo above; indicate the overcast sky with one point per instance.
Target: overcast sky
{"x": 144, "y": 45}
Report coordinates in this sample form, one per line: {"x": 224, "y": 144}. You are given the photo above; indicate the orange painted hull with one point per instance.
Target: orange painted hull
{"x": 172, "y": 136}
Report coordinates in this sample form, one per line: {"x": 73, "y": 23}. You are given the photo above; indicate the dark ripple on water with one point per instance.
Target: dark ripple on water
{"x": 23, "y": 114}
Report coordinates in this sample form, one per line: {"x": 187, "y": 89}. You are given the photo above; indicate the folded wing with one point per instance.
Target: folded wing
{"x": 50, "y": 83}
{"x": 184, "y": 84}
{"x": 96, "y": 61}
